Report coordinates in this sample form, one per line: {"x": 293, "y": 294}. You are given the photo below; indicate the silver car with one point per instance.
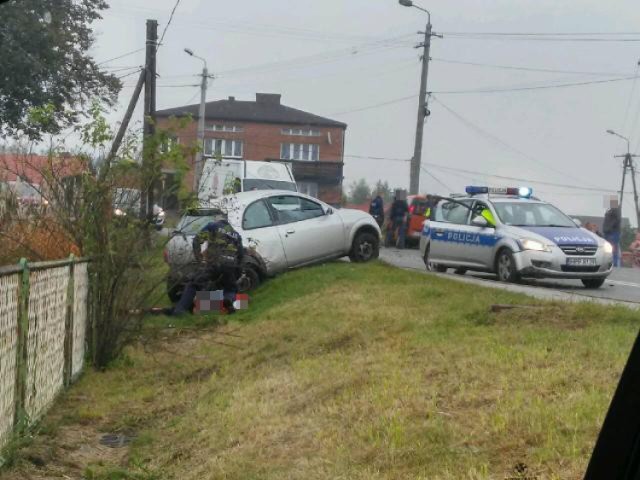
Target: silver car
{"x": 280, "y": 230}
{"x": 513, "y": 236}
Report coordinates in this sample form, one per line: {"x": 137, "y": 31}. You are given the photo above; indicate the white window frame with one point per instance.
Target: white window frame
{"x": 220, "y": 127}
{"x": 226, "y": 144}
{"x": 301, "y": 132}
{"x": 305, "y": 152}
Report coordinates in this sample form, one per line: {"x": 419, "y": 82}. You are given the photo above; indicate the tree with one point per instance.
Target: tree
{"x": 44, "y": 47}
{"x": 359, "y": 192}
{"x": 384, "y": 190}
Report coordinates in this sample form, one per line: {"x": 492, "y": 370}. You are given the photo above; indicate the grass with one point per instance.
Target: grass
{"x": 349, "y": 372}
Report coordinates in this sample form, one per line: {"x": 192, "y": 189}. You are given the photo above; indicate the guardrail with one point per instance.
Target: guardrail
{"x": 43, "y": 325}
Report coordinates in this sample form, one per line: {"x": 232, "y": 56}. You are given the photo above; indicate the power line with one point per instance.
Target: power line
{"x": 633, "y": 89}
{"x": 166, "y": 27}
{"x": 121, "y": 56}
{"x": 539, "y": 87}
{"x": 522, "y": 68}
{"x": 436, "y": 179}
{"x": 468, "y": 123}
{"x": 534, "y": 38}
{"x": 377, "y": 105}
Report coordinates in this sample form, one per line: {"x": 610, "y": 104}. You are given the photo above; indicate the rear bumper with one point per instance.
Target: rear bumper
{"x": 554, "y": 265}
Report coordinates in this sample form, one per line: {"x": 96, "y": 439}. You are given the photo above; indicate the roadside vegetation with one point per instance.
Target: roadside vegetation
{"x": 347, "y": 371}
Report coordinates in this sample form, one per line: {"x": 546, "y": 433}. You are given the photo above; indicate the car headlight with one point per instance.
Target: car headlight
{"x": 535, "y": 245}
{"x": 119, "y": 213}
{"x": 608, "y": 248}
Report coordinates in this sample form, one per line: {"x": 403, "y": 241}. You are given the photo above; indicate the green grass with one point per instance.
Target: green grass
{"x": 353, "y": 372}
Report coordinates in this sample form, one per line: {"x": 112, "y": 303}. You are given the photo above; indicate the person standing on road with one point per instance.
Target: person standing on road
{"x": 223, "y": 252}
{"x": 376, "y": 209}
{"x": 611, "y": 228}
{"x": 398, "y": 219}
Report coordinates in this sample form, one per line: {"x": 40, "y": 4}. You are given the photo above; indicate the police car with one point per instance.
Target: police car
{"x": 509, "y": 232}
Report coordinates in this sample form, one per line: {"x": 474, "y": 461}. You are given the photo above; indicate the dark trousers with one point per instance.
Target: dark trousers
{"x": 207, "y": 280}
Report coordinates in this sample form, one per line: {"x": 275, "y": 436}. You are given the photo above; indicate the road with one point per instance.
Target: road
{"x": 622, "y": 287}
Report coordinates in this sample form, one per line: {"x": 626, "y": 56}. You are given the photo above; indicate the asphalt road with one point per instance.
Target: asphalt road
{"x": 623, "y": 286}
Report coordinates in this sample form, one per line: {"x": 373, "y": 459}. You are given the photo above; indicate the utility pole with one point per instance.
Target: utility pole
{"x": 629, "y": 166}
{"x": 147, "y": 200}
{"x": 199, "y": 160}
{"x": 423, "y": 111}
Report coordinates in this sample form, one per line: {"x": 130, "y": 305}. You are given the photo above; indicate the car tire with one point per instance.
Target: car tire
{"x": 365, "y": 247}
{"x": 432, "y": 267}
{"x": 249, "y": 278}
{"x": 506, "y": 267}
{"x": 460, "y": 271}
{"x": 593, "y": 283}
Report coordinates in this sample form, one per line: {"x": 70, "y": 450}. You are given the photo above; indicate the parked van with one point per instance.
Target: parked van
{"x": 224, "y": 177}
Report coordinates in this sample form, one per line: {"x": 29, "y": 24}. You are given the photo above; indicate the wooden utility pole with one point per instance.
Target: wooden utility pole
{"x": 147, "y": 200}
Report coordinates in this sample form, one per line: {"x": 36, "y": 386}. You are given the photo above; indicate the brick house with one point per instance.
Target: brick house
{"x": 265, "y": 129}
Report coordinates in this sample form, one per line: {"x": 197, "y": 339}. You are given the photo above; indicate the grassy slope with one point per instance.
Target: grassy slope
{"x": 357, "y": 372}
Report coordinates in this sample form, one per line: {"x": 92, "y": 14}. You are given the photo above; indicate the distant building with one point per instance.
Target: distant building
{"x": 265, "y": 129}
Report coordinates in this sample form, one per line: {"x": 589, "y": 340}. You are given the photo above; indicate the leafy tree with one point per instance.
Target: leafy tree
{"x": 384, "y": 190}
{"x": 359, "y": 192}
{"x": 46, "y": 68}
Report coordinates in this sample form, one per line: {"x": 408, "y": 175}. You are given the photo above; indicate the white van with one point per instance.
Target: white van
{"x": 224, "y": 177}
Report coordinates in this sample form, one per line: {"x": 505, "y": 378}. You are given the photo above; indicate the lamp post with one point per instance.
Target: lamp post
{"x": 198, "y": 165}
{"x": 414, "y": 175}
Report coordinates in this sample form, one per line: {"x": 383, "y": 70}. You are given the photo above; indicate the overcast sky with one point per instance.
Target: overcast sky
{"x": 336, "y": 58}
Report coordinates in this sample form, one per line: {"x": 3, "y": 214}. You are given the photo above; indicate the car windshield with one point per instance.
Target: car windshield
{"x": 190, "y": 225}
{"x": 521, "y": 214}
{"x": 260, "y": 184}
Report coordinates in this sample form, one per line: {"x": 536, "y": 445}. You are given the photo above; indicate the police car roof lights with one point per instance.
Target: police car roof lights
{"x": 524, "y": 192}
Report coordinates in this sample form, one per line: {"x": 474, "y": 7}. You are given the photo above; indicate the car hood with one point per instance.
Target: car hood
{"x": 562, "y": 235}
{"x": 351, "y": 216}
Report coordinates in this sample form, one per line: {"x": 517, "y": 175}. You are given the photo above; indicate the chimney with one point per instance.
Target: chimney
{"x": 232, "y": 99}
{"x": 268, "y": 98}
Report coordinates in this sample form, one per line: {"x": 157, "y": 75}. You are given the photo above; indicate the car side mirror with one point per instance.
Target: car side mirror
{"x": 328, "y": 211}
{"x": 480, "y": 221}
{"x": 577, "y": 221}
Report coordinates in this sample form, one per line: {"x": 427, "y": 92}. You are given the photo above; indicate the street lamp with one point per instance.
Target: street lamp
{"x": 198, "y": 166}
{"x": 611, "y": 132}
{"x": 416, "y": 160}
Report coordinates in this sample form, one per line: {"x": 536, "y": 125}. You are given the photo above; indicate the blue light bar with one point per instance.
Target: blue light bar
{"x": 525, "y": 192}
{"x": 476, "y": 190}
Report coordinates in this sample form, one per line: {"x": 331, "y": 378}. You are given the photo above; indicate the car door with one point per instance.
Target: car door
{"x": 447, "y": 231}
{"x": 260, "y": 232}
{"x": 479, "y": 251}
{"x": 308, "y": 231}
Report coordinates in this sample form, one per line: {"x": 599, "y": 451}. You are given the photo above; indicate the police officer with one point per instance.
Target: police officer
{"x": 376, "y": 209}
{"x": 612, "y": 228}
{"x": 398, "y": 219}
{"x": 221, "y": 261}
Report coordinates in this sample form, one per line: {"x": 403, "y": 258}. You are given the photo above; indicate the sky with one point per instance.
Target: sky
{"x": 355, "y": 61}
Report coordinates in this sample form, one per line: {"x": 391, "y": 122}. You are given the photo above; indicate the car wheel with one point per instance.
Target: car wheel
{"x": 593, "y": 282}
{"x": 432, "y": 267}
{"x": 249, "y": 279}
{"x": 506, "y": 267}
{"x": 366, "y": 247}
{"x": 460, "y": 271}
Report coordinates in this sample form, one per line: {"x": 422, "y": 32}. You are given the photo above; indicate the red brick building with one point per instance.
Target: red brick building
{"x": 265, "y": 129}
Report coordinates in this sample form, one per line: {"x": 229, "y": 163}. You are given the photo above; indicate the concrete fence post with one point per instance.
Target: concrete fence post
{"x": 22, "y": 354}
{"x": 68, "y": 330}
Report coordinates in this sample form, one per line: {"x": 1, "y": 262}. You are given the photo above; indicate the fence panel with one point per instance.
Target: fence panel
{"x": 80, "y": 305}
{"x": 45, "y": 344}
{"x": 8, "y": 351}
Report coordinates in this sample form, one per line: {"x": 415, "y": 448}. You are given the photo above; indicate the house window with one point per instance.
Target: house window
{"x": 225, "y": 148}
{"x": 218, "y": 127}
{"x": 304, "y": 132}
{"x": 168, "y": 144}
{"x": 300, "y": 151}
{"x": 308, "y": 188}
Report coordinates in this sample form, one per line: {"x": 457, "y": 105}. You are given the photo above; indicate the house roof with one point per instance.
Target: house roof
{"x": 265, "y": 109}
{"x": 32, "y": 168}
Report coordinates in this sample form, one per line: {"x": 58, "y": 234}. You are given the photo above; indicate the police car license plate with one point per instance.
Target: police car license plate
{"x": 581, "y": 262}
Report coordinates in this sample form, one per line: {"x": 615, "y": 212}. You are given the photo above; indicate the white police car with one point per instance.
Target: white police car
{"x": 509, "y": 232}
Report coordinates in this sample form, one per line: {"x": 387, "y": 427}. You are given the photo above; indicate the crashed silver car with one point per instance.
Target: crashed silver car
{"x": 280, "y": 230}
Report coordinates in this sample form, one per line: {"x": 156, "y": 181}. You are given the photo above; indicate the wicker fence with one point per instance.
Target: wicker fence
{"x": 43, "y": 321}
